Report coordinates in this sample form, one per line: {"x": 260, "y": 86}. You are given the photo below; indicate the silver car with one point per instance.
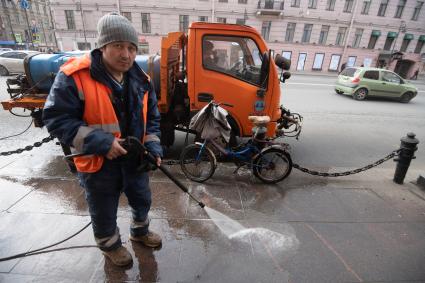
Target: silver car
{"x": 12, "y": 62}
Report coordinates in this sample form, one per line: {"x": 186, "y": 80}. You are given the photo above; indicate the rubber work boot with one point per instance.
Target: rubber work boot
{"x": 151, "y": 239}
{"x": 119, "y": 256}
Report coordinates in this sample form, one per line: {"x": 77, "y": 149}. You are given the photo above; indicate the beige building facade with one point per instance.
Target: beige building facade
{"x": 317, "y": 35}
{"x": 26, "y": 25}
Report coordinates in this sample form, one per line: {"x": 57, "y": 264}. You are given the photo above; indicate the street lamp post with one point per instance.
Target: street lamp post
{"x": 80, "y": 7}
{"x": 401, "y": 28}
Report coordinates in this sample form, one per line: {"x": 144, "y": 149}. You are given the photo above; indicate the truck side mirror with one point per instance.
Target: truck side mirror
{"x": 264, "y": 72}
{"x": 282, "y": 62}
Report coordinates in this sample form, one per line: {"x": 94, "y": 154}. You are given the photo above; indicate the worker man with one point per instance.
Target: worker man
{"x": 208, "y": 56}
{"x": 95, "y": 102}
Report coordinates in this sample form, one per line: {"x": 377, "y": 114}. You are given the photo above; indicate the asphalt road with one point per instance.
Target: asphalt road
{"x": 341, "y": 132}
{"x": 338, "y": 132}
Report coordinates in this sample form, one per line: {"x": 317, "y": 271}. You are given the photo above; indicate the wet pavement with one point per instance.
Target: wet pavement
{"x": 361, "y": 228}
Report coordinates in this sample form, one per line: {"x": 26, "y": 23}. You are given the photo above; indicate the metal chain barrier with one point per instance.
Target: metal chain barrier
{"x": 176, "y": 162}
{"x": 171, "y": 162}
{"x": 28, "y": 147}
{"x": 346, "y": 173}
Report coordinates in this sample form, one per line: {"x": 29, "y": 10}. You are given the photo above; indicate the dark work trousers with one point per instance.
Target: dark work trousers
{"x": 103, "y": 189}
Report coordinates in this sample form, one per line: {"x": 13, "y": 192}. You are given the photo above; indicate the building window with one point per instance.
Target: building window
{"x": 383, "y": 8}
{"x": 183, "y": 23}
{"x": 146, "y": 23}
{"x": 295, "y": 3}
{"x": 307, "y": 33}
{"x": 37, "y": 6}
{"x": 330, "y": 5}
{"x": 70, "y": 21}
{"x": 301, "y": 61}
{"x": 340, "y": 36}
{"x": 17, "y": 18}
{"x": 83, "y": 45}
{"x": 287, "y": 54}
{"x": 351, "y": 61}
{"x": 372, "y": 41}
{"x": 366, "y": 7}
{"x": 290, "y": 31}
{"x": 223, "y": 1}
{"x": 318, "y": 61}
{"x": 240, "y": 22}
{"x": 143, "y": 48}
{"x": 323, "y": 34}
{"x": 348, "y": 6}
{"x": 357, "y": 37}
{"x": 334, "y": 63}
{"x": 45, "y": 10}
{"x": 400, "y": 8}
{"x": 268, "y": 4}
{"x": 265, "y": 30}
{"x": 417, "y": 10}
{"x": 127, "y": 15}
{"x": 242, "y": 1}
{"x": 221, "y": 20}
{"x": 419, "y": 45}
{"x": 203, "y": 18}
{"x": 388, "y": 43}
{"x": 405, "y": 44}
{"x": 312, "y": 4}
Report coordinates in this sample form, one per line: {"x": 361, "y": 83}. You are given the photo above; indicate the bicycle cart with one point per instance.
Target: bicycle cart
{"x": 269, "y": 161}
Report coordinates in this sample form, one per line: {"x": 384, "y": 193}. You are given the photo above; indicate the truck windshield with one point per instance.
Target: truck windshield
{"x": 238, "y": 57}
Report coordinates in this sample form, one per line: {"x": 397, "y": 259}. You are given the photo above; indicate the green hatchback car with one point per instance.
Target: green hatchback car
{"x": 362, "y": 82}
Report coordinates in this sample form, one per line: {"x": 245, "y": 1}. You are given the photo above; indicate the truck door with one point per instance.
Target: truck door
{"x": 228, "y": 70}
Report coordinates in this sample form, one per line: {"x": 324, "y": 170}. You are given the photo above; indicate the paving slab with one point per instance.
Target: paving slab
{"x": 360, "y": 228}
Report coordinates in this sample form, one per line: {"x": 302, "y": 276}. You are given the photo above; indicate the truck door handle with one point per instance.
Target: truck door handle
{"x": 205, "y": 97}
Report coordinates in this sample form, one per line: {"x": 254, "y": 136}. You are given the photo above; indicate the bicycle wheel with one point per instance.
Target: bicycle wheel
{"x": 196, "y": 165}
{"x": 272, "y": 165}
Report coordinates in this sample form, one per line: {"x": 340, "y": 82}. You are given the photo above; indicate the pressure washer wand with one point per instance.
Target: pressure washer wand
{"x": 152, "y": 159}
{"x": 132, "y": 142}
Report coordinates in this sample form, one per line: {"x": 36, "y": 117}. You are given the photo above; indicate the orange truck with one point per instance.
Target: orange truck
{"x": 222, "y": 62}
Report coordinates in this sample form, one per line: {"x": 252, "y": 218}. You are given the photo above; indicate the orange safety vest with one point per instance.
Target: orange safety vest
{"x": 99, "y": 112}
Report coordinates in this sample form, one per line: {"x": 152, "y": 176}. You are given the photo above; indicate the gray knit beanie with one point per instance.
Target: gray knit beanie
{"x": 114, "y": 27}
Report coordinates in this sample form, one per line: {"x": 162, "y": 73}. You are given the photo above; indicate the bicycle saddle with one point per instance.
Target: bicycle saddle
{"x": 259, "y": 120}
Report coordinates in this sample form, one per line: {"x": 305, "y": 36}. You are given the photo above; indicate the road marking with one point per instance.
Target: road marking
{"x": 308, "y": 84}
{"x": 291, "y": 83}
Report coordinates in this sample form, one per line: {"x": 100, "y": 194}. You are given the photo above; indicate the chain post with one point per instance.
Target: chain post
{"x": 408, "y": 146}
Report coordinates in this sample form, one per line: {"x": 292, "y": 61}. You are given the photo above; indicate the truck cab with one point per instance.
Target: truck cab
{"x": 222, "y": 62}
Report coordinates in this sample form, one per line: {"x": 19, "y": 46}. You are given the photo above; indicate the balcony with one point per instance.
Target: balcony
{"x": 270, "y": 8}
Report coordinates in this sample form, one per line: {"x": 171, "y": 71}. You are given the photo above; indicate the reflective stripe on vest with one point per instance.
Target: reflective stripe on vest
{"x": 99, "y": 112}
